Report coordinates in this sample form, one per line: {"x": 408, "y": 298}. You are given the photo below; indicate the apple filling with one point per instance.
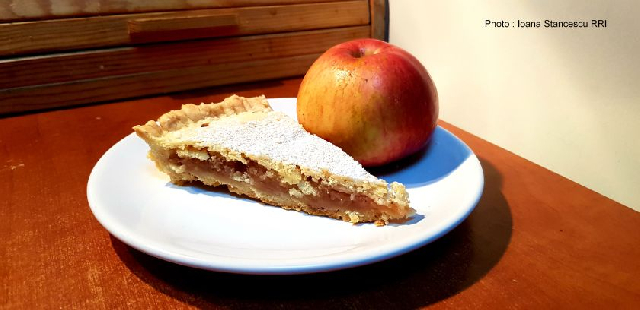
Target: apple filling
{"x": 302, "y": 193}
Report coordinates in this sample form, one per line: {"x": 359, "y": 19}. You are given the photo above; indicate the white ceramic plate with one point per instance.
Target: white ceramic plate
{"x": 214, "y": 230}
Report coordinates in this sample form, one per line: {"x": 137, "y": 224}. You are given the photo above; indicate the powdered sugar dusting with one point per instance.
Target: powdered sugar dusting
{"x": 278, "y": 137}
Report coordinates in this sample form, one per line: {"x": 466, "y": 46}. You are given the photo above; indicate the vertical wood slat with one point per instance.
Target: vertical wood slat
{"x": 105, "y": 31}
{"x": 378, "y": 15}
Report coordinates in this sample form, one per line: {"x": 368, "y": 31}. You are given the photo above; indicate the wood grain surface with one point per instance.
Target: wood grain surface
{"x": 39, "y": 71}
{"x": 113, "y": 30}
{"x": 378, "y": 9}
{"x": 535, "y": 241}
{"x": 179, "y": 28}
{"x": 20, "y": 10}
{"x": 37, "y": 82}
{"x": 135, "y": 85}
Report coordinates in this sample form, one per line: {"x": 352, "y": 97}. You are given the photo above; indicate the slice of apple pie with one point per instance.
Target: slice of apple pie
{"x": 266, "y": 155}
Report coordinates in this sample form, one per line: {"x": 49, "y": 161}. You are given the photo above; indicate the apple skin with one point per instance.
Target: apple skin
{"x": 372, "y": 99}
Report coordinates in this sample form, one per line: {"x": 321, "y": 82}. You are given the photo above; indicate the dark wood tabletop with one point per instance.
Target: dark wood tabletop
{"x": 536, "y": 240}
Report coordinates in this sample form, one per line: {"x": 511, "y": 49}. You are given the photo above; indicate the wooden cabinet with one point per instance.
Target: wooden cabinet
{"x": 62, "y": 55}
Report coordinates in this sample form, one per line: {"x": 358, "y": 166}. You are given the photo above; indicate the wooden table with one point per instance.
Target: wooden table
{"x": 535, "y": 241}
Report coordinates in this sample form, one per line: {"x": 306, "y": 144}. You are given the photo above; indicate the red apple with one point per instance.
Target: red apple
{"x": 372, "y": 99}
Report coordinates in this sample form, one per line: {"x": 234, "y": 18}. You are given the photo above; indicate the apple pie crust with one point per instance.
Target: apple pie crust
{"x": 263, "y": 154}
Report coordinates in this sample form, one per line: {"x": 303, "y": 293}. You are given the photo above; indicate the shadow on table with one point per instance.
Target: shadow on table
{"x": 424, "y": 276}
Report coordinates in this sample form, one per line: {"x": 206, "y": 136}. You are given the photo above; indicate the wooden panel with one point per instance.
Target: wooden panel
{"x": 41, "y": 70}
{"x": 191, "y": 25}
{"x": 189, "y": 22}
{"x": 21, "y": 10}
{"x": 102, "y": 31}
{"x": 117, "y": 87}
{"x": 378, "y": 15}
